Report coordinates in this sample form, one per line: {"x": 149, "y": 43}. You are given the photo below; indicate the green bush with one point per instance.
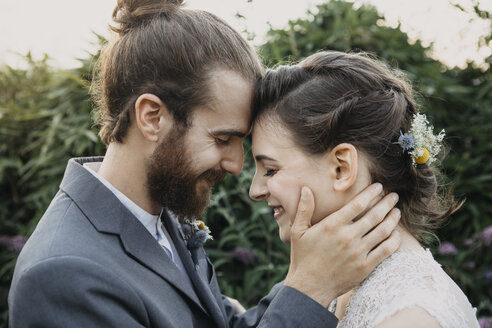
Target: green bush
{"x": 45, "y": 119}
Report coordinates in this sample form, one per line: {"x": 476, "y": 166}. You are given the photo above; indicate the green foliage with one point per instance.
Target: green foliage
{"x": 45, "y": 119}
{"x": 44, "y": 122}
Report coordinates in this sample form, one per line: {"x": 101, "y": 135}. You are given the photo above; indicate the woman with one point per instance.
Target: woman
{"x": 336, "y": 123}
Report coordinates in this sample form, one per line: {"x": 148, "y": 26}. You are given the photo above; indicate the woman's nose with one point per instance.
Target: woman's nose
{"x": 258, "y": 189}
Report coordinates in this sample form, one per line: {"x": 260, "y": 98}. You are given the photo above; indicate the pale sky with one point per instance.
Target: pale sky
{"x": 63, "y": 28}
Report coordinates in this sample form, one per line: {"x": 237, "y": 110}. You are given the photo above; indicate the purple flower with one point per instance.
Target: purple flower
{"x": 485, "y": 322}
{"x": 246, "y": 256}
{"x": 197, "y": 240}
{"x": 406, "y": 141}
{"x": 195, "y": 233}
{"x": 447, "y": 248}
{"x": 186, "y": 229}
{"x": 469, "y": 241}
{"x": 13, "y": 243}
{"x": 470, "y": 265}
{"x": 487, "y": 236}
{"x": 488, "y": 275}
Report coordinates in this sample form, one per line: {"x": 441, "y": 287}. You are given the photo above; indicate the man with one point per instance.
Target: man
{"x": 174, "y": 102}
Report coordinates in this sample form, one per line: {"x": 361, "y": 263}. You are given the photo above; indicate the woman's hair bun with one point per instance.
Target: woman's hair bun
{"x": 131, "y": 13}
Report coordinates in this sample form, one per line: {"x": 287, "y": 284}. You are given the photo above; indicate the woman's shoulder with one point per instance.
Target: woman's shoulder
{"x": 409, "y": 279}
{"x": 408, "y": 269}
{"x": 413, "y": 317}
{"x": 405, "y": 273}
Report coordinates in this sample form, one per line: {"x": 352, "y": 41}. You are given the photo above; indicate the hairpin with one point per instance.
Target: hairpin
{"x": 420, "y": 142}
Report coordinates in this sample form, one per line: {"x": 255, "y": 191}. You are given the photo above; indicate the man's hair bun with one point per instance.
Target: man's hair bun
{"x": 129, "y": 14}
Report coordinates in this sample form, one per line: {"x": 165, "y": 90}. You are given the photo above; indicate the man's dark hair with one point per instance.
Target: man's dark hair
{"x": 163, "y": 49}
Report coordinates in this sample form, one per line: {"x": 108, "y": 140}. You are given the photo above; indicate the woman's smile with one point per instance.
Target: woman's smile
{"x": 278, "y": 211}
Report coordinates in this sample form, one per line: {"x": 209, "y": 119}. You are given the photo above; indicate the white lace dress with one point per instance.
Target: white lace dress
{"x": 408, "y": 279}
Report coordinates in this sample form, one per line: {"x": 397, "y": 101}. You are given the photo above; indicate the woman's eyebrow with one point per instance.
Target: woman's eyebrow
{"x": 260, "y": 158}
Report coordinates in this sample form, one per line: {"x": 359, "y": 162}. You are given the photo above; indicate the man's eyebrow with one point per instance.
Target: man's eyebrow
{"x": 260, "y": 158}
{"x": 229, "y": 132}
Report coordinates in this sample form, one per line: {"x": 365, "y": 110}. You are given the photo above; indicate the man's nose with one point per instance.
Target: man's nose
{"x": 233, "y": 159}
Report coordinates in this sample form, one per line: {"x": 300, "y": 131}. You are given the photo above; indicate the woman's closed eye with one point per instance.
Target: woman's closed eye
{"x": 270, "y": 172}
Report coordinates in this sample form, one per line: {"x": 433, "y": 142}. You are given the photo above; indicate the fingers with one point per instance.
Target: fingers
{"x": 383, "y": 230}
{"x": 360, "y": 203}
{"x": 238, "y": 307}
{"x": 383, "y": 250}
{"x": 305, "y": 209}
{"x": 376, "y": 214}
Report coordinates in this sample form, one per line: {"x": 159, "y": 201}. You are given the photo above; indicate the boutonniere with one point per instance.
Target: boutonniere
{"x": 195, "y": 233}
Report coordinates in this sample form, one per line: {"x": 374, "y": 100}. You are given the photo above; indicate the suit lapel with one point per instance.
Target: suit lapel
{"x": 199, "y": 278}
{"x": 109, "y": 215}
{"x": 148, "y": 252}
{"x": 214, "y": 287}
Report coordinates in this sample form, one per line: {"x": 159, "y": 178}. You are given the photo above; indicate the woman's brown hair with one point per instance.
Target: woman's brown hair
{"x": 333, "y": 97}
{"x": 163, "y": 49}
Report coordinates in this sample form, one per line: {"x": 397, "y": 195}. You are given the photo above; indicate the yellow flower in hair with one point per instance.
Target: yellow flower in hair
{"x": 425, "y": 144}
{"x": 422, "y": 159}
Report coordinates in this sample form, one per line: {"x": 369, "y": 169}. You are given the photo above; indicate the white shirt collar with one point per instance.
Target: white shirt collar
{"x": 149, "y": 221}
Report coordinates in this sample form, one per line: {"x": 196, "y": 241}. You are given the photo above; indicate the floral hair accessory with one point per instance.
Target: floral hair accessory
{"x": 195, "y": 233}
{"x": 420, "y": 142}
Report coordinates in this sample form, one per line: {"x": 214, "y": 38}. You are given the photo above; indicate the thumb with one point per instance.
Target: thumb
{"x": 304, "y": 214}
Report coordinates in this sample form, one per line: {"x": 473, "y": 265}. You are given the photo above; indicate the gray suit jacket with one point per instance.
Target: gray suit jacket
{"x": 91, "y": 263}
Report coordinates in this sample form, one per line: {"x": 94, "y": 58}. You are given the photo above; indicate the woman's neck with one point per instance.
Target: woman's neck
{"x": 408, "y": 243}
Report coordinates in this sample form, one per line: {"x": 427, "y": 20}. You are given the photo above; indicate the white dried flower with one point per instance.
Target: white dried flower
{"x": 424, "y": 139}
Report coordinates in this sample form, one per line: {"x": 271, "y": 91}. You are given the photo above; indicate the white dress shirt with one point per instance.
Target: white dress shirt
{"x": 150, "y": 222}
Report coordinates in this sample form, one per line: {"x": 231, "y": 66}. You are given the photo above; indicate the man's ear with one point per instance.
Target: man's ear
{"x": 344, "y": 160}
{"x": 152, "y": 116}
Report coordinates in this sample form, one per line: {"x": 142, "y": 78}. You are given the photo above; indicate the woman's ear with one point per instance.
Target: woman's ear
{"x": 344, "y": 159}
{"x": 152, "y": 117}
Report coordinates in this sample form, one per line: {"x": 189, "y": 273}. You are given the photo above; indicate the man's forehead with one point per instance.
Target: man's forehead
{"x": 220, "y": 123}
{"x": 224, "y": 120}
{"x": 230, "y": 87}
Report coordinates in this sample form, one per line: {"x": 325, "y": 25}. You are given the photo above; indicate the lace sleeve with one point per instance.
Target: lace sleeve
{"x": 409, "y": 279}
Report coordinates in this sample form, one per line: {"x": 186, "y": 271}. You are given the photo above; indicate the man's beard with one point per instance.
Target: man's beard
{"x": 172, "y": 181}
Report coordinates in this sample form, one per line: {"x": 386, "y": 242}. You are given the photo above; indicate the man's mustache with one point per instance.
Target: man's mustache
{"x": 215, "y": 175}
